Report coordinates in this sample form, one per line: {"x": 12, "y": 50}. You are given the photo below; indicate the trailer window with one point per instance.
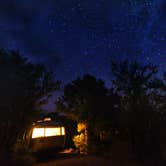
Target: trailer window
{"x": 38, "y": 132}
{"x": 48, "y": 132}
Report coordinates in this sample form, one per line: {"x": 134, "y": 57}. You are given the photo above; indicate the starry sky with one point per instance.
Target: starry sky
{"x": 74, "y": 37}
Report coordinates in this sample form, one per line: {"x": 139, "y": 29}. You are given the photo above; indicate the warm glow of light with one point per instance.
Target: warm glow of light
{"x": 63, "y": 131}
{"x": 52, "y": 132}
{"x": 47, "y": 119}
{"x": 38, "y": 132}
{"x": 81, "y": 127}
{"x": 48, "y": 132}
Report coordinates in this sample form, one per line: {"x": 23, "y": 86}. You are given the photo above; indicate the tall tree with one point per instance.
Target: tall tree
{"x": 139, "y": 89}
{"x": 88, "y": 100}
{"x": 23, "y": 88}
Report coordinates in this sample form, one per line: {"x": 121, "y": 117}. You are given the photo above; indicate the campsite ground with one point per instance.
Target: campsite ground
{"x": 88, "y": 161}
{"x": 69, "y": 158}
{"x": 121, "y": 156}
{"x": 72, "y": 159}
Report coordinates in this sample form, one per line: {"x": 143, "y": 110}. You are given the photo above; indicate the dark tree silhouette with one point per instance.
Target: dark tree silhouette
{"x": 23, "y": 88}
{"x": 140, "y": 113}
{"x": 88, "y": 100}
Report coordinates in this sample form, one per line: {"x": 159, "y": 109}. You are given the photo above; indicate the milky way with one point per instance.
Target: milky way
{"x": 74, "y": 37}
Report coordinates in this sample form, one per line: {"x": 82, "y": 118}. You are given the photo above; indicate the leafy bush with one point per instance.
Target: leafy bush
{"x": 80, "y": 140}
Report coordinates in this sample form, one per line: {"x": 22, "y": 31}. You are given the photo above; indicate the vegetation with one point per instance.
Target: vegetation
{"x": 140, "y": 105}
{"x": 80, "y": 140}
{"x": 24, "y": 87}
{"x": 88, "y": 101}
{"x": 133, "y": 109}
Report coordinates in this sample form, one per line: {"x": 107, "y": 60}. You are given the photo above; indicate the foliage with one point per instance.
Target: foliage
{"x": 24, "y": 87}
{"x": 87, "y": 100}
{"x": 80, "y": 140}
{"x": 79, "y": 95}
{"x": 140, "y": 104}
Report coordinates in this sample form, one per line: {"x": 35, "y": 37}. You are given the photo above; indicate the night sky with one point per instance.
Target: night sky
{"x": 74, "y": 37}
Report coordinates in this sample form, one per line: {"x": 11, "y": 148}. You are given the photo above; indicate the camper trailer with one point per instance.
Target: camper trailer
{"x": 47, "y": 134}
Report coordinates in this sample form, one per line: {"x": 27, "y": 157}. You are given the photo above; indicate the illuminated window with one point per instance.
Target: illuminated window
{"x": 38, "y": 132}
{"x": 52, "y": 132}
{"x": 48, "y": 132}
{"x": 62, "y": 131}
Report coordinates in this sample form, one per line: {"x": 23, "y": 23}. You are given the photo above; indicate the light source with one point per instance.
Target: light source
{"x": 48, "y": 132}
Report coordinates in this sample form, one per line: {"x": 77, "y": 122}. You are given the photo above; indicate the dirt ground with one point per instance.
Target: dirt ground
{"x": 87, "y": 161}
{"x": 121, "y": 156}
